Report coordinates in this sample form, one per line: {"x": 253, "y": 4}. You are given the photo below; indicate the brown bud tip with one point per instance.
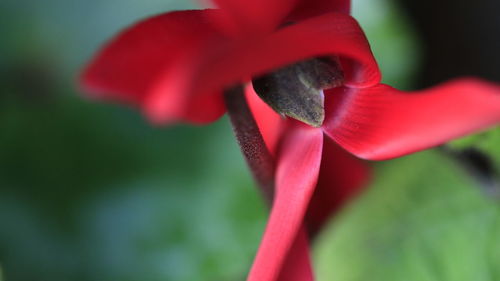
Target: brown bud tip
{"x": 297, "y": 90}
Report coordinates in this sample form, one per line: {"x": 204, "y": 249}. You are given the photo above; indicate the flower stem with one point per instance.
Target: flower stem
{"x": 250, "y": 140}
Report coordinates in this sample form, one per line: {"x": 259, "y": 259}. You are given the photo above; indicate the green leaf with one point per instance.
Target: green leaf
{"x": 422, "y": 219}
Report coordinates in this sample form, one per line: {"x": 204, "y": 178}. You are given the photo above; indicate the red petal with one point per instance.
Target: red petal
{"x": 297, "y": 173}
{"x": 341, "y": 177}
{"x": 255, "y": 16}
{"x": 270, "y": 123}
{"x": 381, "y": 122}
{"x": 132, "y": 63}
{"x": 222, "y": 64}
{"x": 297, "y": 266}
{"x": 311, "y": 8}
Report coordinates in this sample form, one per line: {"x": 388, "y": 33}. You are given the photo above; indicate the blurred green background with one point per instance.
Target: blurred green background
{"x": 91, "y": 191}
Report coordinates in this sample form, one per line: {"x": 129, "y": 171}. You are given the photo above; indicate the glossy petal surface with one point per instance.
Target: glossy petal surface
{"x": 224, "y": 64}
{"x": 297, "y": 265}
{"x": 128, "y": 66}
{"x": 297, "y": 173}
{"x": 341, "y": 177}
{"x": 382, "y": 122}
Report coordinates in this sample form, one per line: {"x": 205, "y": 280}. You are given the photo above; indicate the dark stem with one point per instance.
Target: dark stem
{"x": 252, "y": 144}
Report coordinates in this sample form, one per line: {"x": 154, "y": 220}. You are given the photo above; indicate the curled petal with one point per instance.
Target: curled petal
{"x": 225, "y": 64}
{"x": 128, "y": 66}
{"x": 341, "y": 177}
{"x": 297, "y": 173}
{"x": 381, "y": 122}
{"x": 329, "y": 34}
{"x": 297, "y": 265}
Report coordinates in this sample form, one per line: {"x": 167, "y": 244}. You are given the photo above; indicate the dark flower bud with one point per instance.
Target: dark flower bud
{"x": 297, "y": 90}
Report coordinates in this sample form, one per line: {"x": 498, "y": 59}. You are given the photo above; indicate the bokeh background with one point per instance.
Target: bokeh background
{"x": 91, "y": 191}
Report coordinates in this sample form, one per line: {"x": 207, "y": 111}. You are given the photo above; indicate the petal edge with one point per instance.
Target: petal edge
{"x": 126, "y": 68}
{"x": 297, "y": 174}
{"x": 381, "y": 122}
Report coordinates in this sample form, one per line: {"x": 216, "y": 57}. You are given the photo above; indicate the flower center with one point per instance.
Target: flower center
{"x": 297, "y": 90}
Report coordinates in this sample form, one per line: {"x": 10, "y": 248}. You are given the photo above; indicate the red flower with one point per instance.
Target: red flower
{"x": 175, "y": 66}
